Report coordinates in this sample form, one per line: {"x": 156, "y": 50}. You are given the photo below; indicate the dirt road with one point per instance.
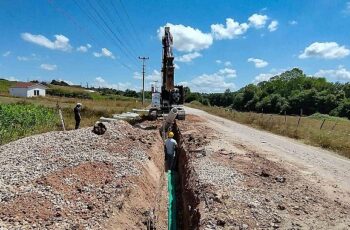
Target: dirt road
{"x": 249, "y": 178}
{"x": 315, "y": 163}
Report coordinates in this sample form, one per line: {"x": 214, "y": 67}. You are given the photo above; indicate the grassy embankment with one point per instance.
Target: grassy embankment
{"x": 334, "y": 134}
{"x": 92, "y": 110}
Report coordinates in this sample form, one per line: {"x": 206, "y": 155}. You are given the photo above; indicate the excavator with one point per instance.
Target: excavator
{"x": 171, "y": 96}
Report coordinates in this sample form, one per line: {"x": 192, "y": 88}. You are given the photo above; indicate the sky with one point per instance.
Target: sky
{"x": 218, "y": 45}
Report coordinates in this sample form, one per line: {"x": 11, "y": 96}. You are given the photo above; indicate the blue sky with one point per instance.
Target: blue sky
{"x": 218, "y": 44}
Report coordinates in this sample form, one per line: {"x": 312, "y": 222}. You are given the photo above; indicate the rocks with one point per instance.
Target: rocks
{"x": 280, "y": 179}
{"x": 99, "y": 128}
{"x": 264, "y": 173}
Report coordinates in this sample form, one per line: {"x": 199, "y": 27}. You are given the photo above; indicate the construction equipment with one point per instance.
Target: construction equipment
{"x": 171, "y": 96}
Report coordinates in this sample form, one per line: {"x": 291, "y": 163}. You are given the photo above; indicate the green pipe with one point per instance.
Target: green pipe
{"x": 172, "y": 201}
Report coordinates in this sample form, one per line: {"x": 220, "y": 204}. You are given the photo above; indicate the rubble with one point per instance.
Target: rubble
{"x": 77, "y": 179}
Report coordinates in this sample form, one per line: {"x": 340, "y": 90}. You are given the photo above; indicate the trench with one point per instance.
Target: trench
{"x": 185, "y": 215}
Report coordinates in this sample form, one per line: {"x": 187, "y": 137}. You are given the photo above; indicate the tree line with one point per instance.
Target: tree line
{"x": 289, "y": 92}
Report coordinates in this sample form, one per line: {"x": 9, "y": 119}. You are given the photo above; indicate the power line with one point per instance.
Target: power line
{"x": 114, "y": 22}
{"x": 127, "y": 28}
{"x": 130, "y": 22}
{"x": 81, "y": 28}
{"x": 124, "y": 49}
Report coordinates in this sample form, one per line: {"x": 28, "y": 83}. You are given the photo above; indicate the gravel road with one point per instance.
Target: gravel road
{"x": 321, "y": 167}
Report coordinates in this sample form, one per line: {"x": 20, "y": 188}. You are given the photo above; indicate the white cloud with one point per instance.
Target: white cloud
{"x": 273, "y": 26}
{"x": 154, "y": 76}
{"x": 11, "y": 78}
{"x": 259, "y": 63}
{"x": 227, "y": 63}
{"x": 48, "y": 67}
{"x": 60, "y": 43}
{"x": 263, "y": 77}
{"x": 266, "y": 76}
{"x": 32, "y": 57}
{"x": 176, "y": 66}
{"x": 84, "y": 49}
{"x": 232, "y": 29}
{"x": 215, "y": 82}
{"x": 347, "y": 8}
{"x": 209, "y": 83}
{"x": 257, "y": 20}
{"x": 341, "y": 73}
{"x": 7, "y": 53}
{"x": 188, "y": 57}
{"x": 101, "y": 82}
{"x": 67, "y": 81}
{"x": 187, "y": 39}
{"x": 104, "y": 53}
{"x": 293, "y": 22}
{"x": 22, "y": 58}
{"x": 227, "y": 72}
{"x": 326, "y": 50}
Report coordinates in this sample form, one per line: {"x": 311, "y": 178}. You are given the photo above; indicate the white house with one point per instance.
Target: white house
{"x": 28, "y": 89}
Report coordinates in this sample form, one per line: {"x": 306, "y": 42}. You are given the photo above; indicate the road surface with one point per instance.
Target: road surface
{"x": 324, "y": 168}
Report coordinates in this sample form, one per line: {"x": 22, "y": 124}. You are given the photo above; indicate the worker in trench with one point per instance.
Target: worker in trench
{"x": 170, "y": 146}
{"x": 77, "y": 116}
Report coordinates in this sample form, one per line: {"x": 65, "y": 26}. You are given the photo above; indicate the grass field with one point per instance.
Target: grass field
{"x": 91, "y": 112}
{"x": 21, "y": 119}
{"x": 334, "y": 134}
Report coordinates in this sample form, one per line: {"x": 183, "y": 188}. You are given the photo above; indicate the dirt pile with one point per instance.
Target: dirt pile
{"x": 239, "y": 188}
{"x": 80, "y": 180}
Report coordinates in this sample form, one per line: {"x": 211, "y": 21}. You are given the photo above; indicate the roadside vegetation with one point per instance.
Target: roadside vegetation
{"x": 319, "y": 130}
{"x": 22, "y": 119}
{"x": 291, "y": 92}
{"x": 91, "y": 112}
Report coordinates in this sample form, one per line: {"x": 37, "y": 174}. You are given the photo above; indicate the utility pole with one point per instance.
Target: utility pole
{"x": 143, "y": 78}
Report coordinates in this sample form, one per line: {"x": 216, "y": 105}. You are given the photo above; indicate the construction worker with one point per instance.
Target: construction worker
{"x": 77, "y": 115}
{"x": 170, "y": 150}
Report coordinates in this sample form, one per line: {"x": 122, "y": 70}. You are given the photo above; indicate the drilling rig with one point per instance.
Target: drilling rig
{"x": 171, "y": 95}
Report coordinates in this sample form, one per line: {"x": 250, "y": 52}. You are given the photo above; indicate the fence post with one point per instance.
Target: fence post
{"x": 61, "y": 116}
{"x": 285, "y": 116}
{"x": 324, "y": 120}
{"x": 301, "y": 113}
{"x": 334, "y": 125}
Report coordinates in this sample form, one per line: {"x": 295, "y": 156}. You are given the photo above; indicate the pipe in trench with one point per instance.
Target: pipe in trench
{"x": 183, "y": 203}
{"x": 172, "y": 218}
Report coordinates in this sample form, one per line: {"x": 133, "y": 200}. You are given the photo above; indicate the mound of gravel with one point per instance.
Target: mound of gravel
{"x": 68, "y": 179}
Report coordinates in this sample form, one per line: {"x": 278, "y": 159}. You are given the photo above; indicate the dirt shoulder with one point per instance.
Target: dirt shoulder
{"x": 242, "y": 184}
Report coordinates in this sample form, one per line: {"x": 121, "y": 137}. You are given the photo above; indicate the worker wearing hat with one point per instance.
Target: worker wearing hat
{"x": 170, "y": 150}
{"x": 77, "y": 115}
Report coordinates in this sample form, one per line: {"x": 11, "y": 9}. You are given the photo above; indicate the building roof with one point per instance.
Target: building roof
{"x": 27, "y": 85}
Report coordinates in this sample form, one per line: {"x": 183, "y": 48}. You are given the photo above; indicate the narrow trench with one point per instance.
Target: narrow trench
{"x": 187, "y": 214}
